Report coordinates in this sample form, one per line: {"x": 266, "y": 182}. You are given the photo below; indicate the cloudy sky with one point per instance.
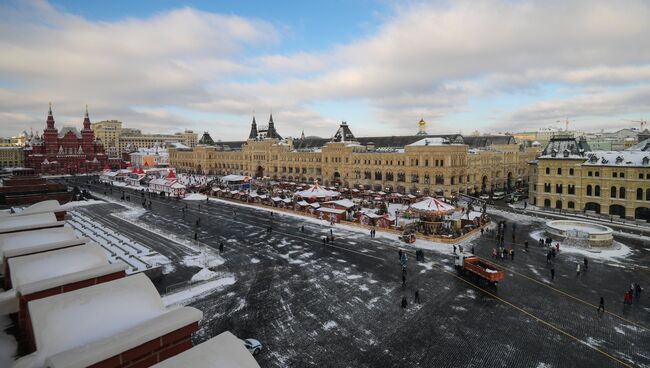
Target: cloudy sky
{"x": 164, "y": 66}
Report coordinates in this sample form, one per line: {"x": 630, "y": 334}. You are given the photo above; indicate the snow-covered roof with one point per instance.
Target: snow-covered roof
{"x": 28, "y": 222}
{"x": 222, "y": 351}
{"x": 40, "y": 266}
{"x": 303, "y": 203}
{"x": 618, "y": 158}
{"x": 433, "y": 141}
{"x": 316, "y": 191}
{"x": 287, "y": 200}
{"x": 314, "y": 204}
{"x": 27, "y": 242}
{"x": 430, "y": 204}
{"x": 342, "y": 202}
{"x": 117, "y": 316}
{"x": 276, "y": 199}
{"x": 232, "y": 177}
{"x": 41, "y": 207}
{"x": 331, "y": 210}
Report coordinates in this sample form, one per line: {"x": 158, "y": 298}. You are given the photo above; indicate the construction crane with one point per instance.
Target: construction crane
{"x": 642, "y": 122}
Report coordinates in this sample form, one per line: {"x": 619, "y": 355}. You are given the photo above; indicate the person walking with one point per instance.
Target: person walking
{"x": 400, "y": 254}
{"x": 416, "y": 298}
{"x": 404, "y": 302}
{"x": 526, "y": 245}
{"x": 586, "y": 262}
{"x": 454, "y": 248}
{"x": 403, "y": 279}
{"x": 552, "y": 273}
{"x": 512, "y": 254}
{"x": 220, "y": 247}
{"x": 601, "y": 305}
{"x": 577, "y": 268}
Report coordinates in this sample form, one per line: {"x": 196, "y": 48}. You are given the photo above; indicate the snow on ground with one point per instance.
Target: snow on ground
{"x": 619, "y": 250}
{"x": 197, "y": 291}
{"x": 195, "y": 197}
{"x": 204, "y": 274}
{"x": 255, "y": 260}
{"x": 515, "y": 217}
{"x": 329, "y": 325}
{"x": 74, "y": 204}
{"x": 202, "y": 260}
{"x": 8, "y": 344}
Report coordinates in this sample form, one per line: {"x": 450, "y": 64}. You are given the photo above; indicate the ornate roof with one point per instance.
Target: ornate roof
{"x": 343, "y": 134}
{"x": 206, "y": 139}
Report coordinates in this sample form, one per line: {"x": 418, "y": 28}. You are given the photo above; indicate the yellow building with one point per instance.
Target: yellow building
{"x": 427, "y": 164}
{"x": 116, "y": 139}
{"x": 12, "y": 157}
{"x": 569, "y": 176}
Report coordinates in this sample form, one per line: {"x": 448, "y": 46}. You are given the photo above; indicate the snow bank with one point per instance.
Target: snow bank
{"x": 619, "y": 250}
{"x": 204, "y": 274}
{"x": 187, "y": 296}
{"x": 89, "y": 202}
{"x": 195, "y": 197}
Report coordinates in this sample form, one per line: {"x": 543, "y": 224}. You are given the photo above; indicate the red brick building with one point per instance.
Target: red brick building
{"x": 67, "y": 151}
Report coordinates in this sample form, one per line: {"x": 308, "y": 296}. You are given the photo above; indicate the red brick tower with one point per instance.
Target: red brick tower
{"x": 88, "y": 138}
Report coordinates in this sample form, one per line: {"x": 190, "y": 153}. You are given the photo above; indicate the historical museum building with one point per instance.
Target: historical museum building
{"x": 569, "y": 176}
{"x": 428, "y": 164}
{"x": 67, "y": 151}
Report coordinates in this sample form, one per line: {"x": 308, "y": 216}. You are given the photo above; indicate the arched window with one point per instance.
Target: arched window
{"x": 613, "y": 192}
{"x": 571, "y": 205}
{"x": 621, "y": 192}
{"x": 589, "y": 190}
{"x": 597, "y": 191}
{"x": 548, "y": 170}
{"x": 558, "y": 205}
{"x": 547, "y": 202}
{"x": 639, "y": 194}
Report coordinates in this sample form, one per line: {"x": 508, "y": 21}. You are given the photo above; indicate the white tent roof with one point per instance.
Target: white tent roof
{"x": 316, "y": 191}
{"x": 232, "y": 177}
{"x": 342, "y": 202}
{"x": 223, "y": 351}
{"x": 429, "y": 204}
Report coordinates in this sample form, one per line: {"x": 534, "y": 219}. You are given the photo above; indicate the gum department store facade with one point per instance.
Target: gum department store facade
{"x": 442, "y": 164}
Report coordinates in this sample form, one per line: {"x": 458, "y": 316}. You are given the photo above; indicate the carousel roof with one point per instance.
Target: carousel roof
{"x": 432, "y": 205}
{"x": 316, "y": 191}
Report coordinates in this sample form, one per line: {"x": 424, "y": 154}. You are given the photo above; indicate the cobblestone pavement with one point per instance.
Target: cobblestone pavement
{"x": 339, "y": 306}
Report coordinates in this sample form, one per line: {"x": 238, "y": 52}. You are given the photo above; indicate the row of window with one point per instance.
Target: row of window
{"x": 597, "y": 173}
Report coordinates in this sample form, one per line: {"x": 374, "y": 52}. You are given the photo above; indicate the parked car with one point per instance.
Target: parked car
{"x": 252, "y": 345}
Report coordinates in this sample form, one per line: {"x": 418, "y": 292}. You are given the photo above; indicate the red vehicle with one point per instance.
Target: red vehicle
{"x": 467, "y": 263}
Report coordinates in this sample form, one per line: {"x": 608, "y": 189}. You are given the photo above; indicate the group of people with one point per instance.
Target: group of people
{"x": 634, "y": 292}
{"x": 403, "y": 259}
{"x": 503, "y": 253}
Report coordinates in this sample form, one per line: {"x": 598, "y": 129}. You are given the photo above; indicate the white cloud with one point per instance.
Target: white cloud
{"x": 426, "y": 60}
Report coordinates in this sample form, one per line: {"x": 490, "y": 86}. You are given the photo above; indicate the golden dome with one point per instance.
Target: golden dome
{"x": 422, "y": 122}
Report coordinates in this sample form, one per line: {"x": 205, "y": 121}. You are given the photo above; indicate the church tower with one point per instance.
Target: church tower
{"x": 50, "y": 135}
{"x": 88, "y": 137}
{"x": 253, "y": 133}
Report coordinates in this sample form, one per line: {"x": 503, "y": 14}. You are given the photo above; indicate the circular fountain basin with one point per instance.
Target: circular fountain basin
{"x": 580, "y": 233}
